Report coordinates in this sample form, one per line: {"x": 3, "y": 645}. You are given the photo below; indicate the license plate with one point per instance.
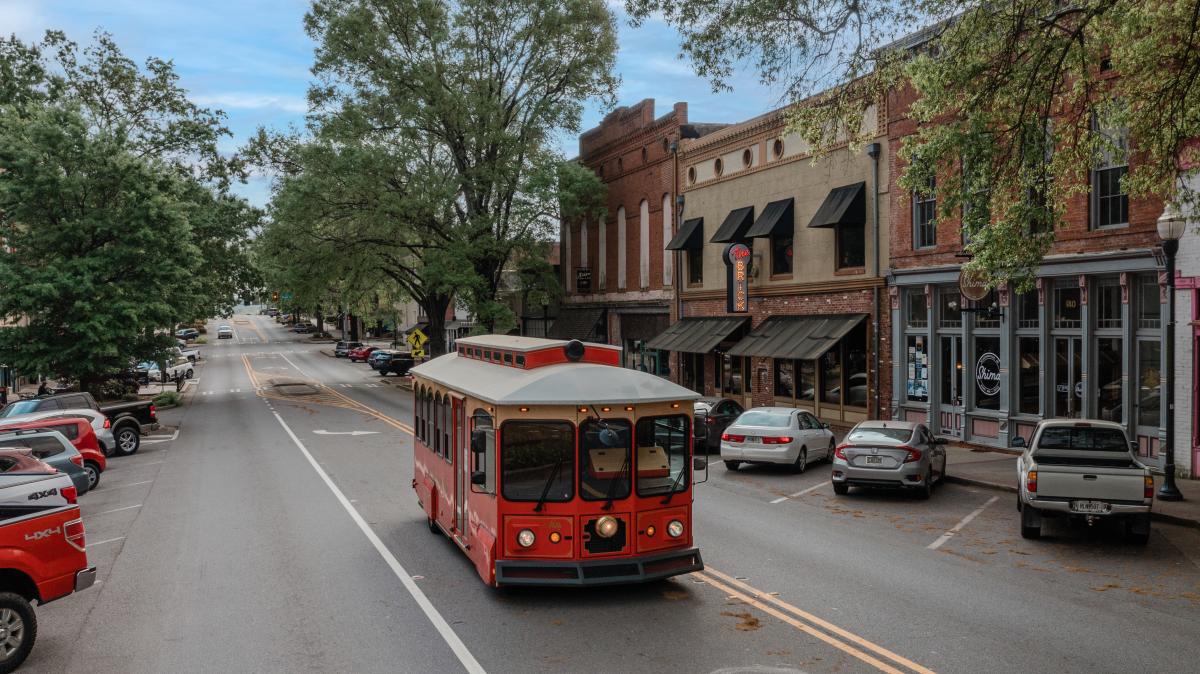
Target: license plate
{"x": 1090, "y": 506}
{"x": 874, "y": 459}
{"x": 751, "y": 438}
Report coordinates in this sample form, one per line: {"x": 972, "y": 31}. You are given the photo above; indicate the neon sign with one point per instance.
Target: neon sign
{"x": 737, "y": 278}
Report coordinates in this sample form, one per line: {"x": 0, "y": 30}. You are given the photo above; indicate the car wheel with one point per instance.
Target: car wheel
{"x": 1137, "y": 530}
{"x": 732, "y": 465}
{"x": 841, "y": 488}
{"x": 128, "y": 440}
{"x": 801, "y": 461}
{"x": 93, "y": 473}
{"x": 832, "y": 449}
{"x": 925, "y": 490}
{"x": 1031, "y": 528}
{"x": 433, "y": 527}
{"x": 190, "y": 372}
{"x": 18, "y": 630}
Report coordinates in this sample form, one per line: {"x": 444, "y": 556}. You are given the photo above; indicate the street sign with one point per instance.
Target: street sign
{"x": 287, "y": 296}
{"x": 416, "y": 339}
{"x": 417, "y": 353}
{"x": 583, "y": 280}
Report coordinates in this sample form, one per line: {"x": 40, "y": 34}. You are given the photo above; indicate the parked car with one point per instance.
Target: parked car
{"x": 342, "y": 348}
{"x": 78, "y": 431}
{"x": 192, "y": 353}
{"x": 53, "y": 448}
{"x": 272, "y": 311}
{"x": 395, "y": 362}
{"x": 178, "y": 367}
{"x": 42, "y": 549}
{"x": 712, "y": 417}
{"x": 127, "y": 419}
{"x": 187, "y": 334}
{"x": 378, "y": 356}
{"x": 889, "y": 454}
{"x": 361, "y": 353}
{"x": 1083, "y": 469}
{"x": 100, "y": 424}
{"x": 224, "y": 332}
{"x": 304, "y": 328}
{"x": 781, "y": 435}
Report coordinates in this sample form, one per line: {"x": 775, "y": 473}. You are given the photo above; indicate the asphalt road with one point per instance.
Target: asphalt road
{"x": 278, "y": 531}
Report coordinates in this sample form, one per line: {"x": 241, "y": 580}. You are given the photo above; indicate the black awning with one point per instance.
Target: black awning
{"x": 796, "y": 337}
{"x": 578, "y": 323}
{"x": 843, "y": 206}
{"x": 690, "y": 235}
{"x": 735, "y": 226}
{"x": 697, "y": 335}
{"x": 777, "y": 216}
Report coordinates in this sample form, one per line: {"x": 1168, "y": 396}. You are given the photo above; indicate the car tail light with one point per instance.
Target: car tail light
{"x": 781, "y": 440}
{"x": 839, "y": 451}
{"x": 913, "y": 455}
{"x": 1031, "y": 482}
{"x": 73, "y": 530}
{"x": 70, "y": 493}
{"x": 153, "y": 411}
{"x": 77, "y": 460}
{"x": 728, "y": 437}
{"x": 107, "y": 423}
{"x": 1148, "y": 489}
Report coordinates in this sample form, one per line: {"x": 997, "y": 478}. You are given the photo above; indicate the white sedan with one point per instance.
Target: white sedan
{"x": 781, "y": 435}
{"x": 224, "y": 332}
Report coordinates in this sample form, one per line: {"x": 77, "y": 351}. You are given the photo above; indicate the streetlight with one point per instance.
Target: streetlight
{"x": 1171, "y": 226}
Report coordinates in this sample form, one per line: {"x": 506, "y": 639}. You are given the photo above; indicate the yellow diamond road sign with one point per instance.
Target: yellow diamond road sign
{"x": 417, "y": 353}
{"x": 416, "y": 339}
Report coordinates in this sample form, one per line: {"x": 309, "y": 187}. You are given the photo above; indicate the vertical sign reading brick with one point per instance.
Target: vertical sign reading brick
{"x": 737, "y": 278}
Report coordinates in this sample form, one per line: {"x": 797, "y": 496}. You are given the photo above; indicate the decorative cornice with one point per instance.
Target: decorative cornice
{"x": 820, "y": 287}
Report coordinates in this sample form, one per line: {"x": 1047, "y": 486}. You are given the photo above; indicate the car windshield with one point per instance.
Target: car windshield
{"x": 20, "y": 407}
{"x": 662, "y": 454}
{"x": 766, "y": 418}
{"x": 874, "y": 434}
{"x": 536, "y": 458}
{"x": 1083, "y": 438}
{"x": 604, "y": 461}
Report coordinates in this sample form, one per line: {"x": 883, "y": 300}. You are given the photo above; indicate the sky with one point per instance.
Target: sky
{"x": 251, "y": 58}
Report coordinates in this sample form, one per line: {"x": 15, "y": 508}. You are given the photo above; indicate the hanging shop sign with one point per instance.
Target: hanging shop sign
{"x": 972, "y": 286}
{"x": 987, "y": 373}
{"x": 737, "y": 278}
{"x": 583, "y": 279}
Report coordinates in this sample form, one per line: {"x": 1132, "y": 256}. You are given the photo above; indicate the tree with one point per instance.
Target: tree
{"x": 988, "y": 77}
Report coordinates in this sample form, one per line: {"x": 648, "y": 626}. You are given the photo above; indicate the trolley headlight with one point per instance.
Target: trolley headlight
{"x": 525, "y": 538}
{"x": 675, "y": 528}
{"x": 606, "y": 527}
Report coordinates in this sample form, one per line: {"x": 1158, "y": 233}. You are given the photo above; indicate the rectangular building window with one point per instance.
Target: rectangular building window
{"x": 1027, "y": 310}
{"x": 781, "y": 254}
{"x": 691, "y": 366}
{"x": 1149, "y": 305}
{"x": 735, "y": 375}
{"x": 695, "y": 266}
{"x": 917, "y": 363}
{"x": 851, "y": 246}
{"x": 917, "y": 308}
{"x": 1110, "y": 389}
{"x": 987, "y": 373}
{"x": 854, "y": 347}
{"x": 1106, "y": 294}
{"x": 1110, "y": 202}
{"x": 1029, "y": 378}
{"x": 784, "y": 383}
{"x": 1148, "y": 382}
{"x": 1067, "y": 312}
{"x": 925, "y": 216}
{"x": 806, "y": 380}
{"x": 985, "y": 320}
{"x": 949, "y": 309}
{"x": 831, "y": 376}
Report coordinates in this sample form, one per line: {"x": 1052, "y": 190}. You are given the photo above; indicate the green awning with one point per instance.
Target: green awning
{"x": 796, "y": 337}
{"x": 776, "y": 217}
{"x": 689, "y": 237}
{"x": 735, "y": 226}
{"x": 697, "y": 335}
{"x": 842, "y": 206}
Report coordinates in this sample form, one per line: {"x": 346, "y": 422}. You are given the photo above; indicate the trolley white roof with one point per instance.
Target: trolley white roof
{"x": 518, "y": 344}
{"x": 559, "y": 384}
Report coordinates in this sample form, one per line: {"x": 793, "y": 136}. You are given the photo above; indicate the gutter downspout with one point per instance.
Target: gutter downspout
{"x": 873, "y": 151}
{"x": 676, "y": 258}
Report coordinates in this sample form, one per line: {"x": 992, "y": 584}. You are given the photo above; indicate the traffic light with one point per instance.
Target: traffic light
{"x": 275, "y": 296}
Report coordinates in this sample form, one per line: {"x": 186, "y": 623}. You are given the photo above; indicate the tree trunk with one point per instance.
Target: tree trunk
{"x": 435, "y": 311}
{"x": 320, "y": 321}
{"x": 353, "y": 320}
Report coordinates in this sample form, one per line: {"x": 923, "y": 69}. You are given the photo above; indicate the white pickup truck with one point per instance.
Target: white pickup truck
{"x": 1083, "y": 469}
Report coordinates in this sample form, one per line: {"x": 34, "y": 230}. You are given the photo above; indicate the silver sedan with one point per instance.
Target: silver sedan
{"x": 889, "y": 454}
{"x": 781, "y": 435}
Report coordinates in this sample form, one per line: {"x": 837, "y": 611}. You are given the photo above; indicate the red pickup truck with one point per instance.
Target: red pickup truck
{"x": 42, "y": 554}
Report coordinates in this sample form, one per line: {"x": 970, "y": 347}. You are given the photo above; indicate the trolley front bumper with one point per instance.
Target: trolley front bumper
{"x": 599, "y": 571}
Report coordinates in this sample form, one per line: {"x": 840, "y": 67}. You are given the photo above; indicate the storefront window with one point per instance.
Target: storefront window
{"x": 784, "y": 383}
{"x": 735, "y": 370}
{"x": 1106, "y": 295}
{"x": 831, "y": 377}
{"x": 691, "y": 366}
{"x": 1066, "y": 306}
{"x": 1149, "y": 307}
{"x": 949, "y": 309}
{"x": 951, "y": 367}
{"x": 1149, "y": 362}
{"x": 987, "y": 373}
{"x": 1029, "y": 380}
{"x": 1027, "y": 310}
{"x": 1108, "y": 377}
{"x": 854, "y": 345}
{"x": 806, "y": 380}
{"x": 918, "y": 308}
{"x": 988, "y": 320}
{"x": 918, "y": 370}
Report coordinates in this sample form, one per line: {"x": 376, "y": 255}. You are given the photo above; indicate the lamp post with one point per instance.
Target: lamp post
{"x": 1171, "y": 226}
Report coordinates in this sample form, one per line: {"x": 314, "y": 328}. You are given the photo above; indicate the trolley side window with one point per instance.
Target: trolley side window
{"x": 604, "y": 459}
{"x": 485, "y": 456}
{"x": 536, "y": 458}
{"x": 662, "y": 454}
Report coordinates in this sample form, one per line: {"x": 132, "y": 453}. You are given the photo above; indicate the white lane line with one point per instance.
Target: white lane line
{"x": 800, "y": 493}
{"x": 115, "y": 510}
{"x": 961, "y": 523}
{"x": 460, "y": 649}
{"x": 289, "y": 361}
{"x": 108, "y": 487}
{"x": 107, "y": 540}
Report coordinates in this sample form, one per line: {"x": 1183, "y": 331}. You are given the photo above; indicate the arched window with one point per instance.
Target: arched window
{"x": 427, "y": 406}
{"x": 447, "y": 425}
{"x": 644, "y": 244}
{"x": 418, "y": 417}
{"x": 621, "y": 248}
{"x": 436, "y": 406}
{"x": 668, "y": 260}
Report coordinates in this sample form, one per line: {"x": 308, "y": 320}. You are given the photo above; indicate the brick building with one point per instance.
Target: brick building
{"x": 1086, "y": 342}
{"x": 618, "y": 279}
{"x": 817, "y": 239}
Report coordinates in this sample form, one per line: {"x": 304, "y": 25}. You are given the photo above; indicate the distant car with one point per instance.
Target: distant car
{"x": 192, "y": 354}
{"x": 343, "y": 348}
{"x": 53, "y": 448}
{"x": 889, "y": 454}
{"x": 712, "y": 417}
{"x": 361, "y": 353}
{"x": 272, "y": 311}
{"x": 781, "y": 435}
{"x": 224, "y": 332}
{"x": 175, "y": 367}
{"x": 304, "y": 328}
{"x": 187, "y": 333}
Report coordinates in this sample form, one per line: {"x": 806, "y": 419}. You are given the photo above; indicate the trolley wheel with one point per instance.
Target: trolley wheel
{"x": 433, "y": 527}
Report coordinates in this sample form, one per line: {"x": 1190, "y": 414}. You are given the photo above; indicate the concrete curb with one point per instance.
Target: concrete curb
{"x": 1154, "y": 515}
{"x": 326, "y": 352}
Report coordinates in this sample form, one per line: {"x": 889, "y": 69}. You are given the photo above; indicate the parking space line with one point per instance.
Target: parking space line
{"x": 108, "y": 487}
{"x": 800, "y": 493}
{"x": 90, "y": 544}
{"x": 961, "y": 523}
{"x": 115, "y": 510}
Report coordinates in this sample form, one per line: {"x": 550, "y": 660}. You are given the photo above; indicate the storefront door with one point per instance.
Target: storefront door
{"x": 1068, "y": 377}
{"x": 950, "y": 401}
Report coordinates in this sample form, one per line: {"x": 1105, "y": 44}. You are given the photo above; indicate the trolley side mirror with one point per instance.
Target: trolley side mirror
{"x": 699, "y": 464}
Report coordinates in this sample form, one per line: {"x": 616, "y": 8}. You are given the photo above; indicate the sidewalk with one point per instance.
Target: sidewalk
{"x": 998, "y": 470}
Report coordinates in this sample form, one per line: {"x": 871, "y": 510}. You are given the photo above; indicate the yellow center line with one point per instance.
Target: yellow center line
{"x": 757, "y": 594}
{"x": 845, "y": 648}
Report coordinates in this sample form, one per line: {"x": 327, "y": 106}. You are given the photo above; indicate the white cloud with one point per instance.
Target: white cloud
{"x": 21, "y": 18}
{"x": 252, "y": 101}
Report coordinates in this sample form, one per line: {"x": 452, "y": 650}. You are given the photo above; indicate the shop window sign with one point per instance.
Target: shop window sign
{"x": 918, "y": 370}
{"x": 987, "y": 373}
